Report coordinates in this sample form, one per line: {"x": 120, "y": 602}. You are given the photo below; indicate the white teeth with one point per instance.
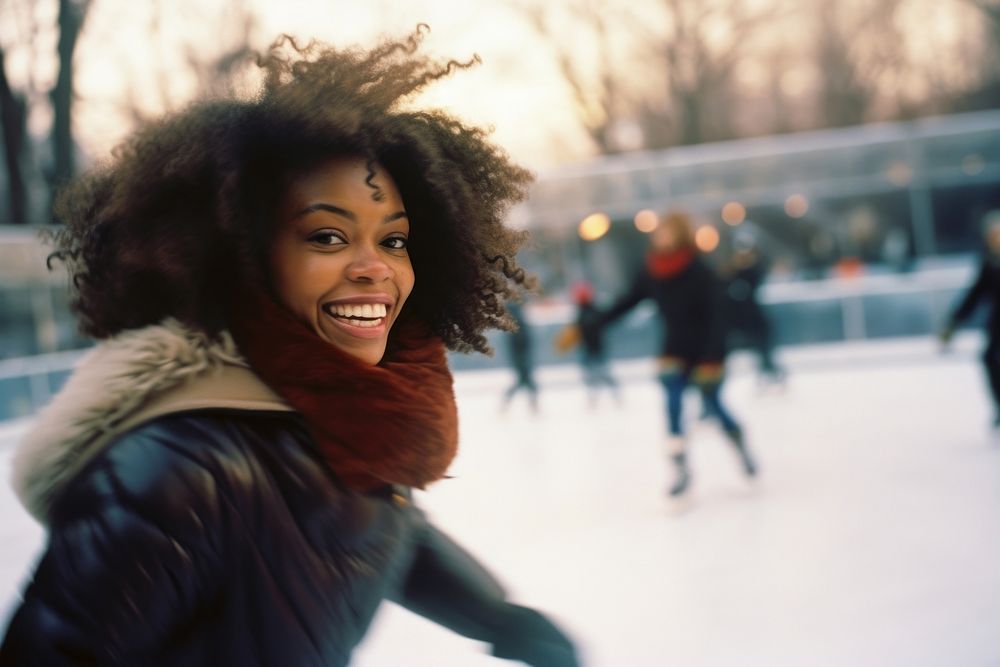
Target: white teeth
{"x": 366, "y": 310}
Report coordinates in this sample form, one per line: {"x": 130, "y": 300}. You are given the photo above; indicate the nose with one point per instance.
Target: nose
{"x": 367, "y": 266}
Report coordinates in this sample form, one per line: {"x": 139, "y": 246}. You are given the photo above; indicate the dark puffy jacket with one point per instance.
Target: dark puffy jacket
{"x": 985, "y": 288}
{"x": 588, "y": 319}
{"x": 690, "y": 304}
{"x": 219, "y": 537}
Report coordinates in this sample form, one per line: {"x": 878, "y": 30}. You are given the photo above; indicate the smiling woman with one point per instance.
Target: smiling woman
{"x": 339, "y": 261}
{"x": 226, "y": 478}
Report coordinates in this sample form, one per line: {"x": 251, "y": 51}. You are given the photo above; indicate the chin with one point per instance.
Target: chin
{"x": 369, "y": 351}
{"x": 369, "y": 354}
{"x": 370, "y": 358}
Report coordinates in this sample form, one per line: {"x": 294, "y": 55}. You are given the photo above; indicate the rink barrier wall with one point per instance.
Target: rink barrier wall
{"x": 867, "y": 308}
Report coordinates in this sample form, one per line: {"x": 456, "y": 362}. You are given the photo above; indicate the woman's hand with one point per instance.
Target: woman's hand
{"x": 567, "y": 338}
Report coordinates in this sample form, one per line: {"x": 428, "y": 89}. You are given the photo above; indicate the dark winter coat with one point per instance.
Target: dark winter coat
{"x": 588, "y": 319}
{"x": 207, "y": 530}
{"x": 743, "y": 310}
{"x": 690, "y": 304}
{"x": 986, "y": 287}
{"x": 519, "y": 344}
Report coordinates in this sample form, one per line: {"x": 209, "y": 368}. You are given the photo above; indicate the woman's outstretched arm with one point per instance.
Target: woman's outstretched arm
{"x": 448, "y": 586}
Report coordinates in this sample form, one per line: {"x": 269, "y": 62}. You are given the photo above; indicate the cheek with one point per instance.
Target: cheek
{"x": 280, "y": 274}
{"x": 405, "y": 279}
{"x": 296, "y": 278}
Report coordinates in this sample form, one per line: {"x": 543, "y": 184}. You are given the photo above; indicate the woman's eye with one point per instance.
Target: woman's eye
{"x": 327, "y": 238}
{"x": 395, "y": 242}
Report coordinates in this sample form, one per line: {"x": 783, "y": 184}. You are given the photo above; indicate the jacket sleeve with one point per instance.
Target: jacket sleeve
{"x": 637, "y": 291}
{"x": 448, "y": 586}
{"x": 131, "y": 555}
{"x": 971, "y": 298}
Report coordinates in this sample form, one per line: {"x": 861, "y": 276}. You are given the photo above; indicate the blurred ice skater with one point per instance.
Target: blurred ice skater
{"x": 519, "y": 349}
{"x": 586, "y": 331}
{"x": 985, "y": 288}
{"x": 688, "y": 297}
{"x": 747, "y": 323}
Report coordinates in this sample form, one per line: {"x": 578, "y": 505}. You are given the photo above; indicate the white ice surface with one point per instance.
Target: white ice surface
{"x": 871, "y": 538}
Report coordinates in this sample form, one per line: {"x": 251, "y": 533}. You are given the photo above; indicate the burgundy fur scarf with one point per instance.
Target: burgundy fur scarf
{"x": 663, "y": 265}
{"x": 392, "y": 423}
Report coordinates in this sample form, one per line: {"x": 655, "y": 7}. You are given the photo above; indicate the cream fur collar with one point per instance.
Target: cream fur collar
{"x": 121, "y": 383}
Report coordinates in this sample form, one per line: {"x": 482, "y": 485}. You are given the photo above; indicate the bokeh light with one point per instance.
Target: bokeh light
{"x": 646, "y": 220}
{"x": 900, "y": 174}
{"x": 734, "y": 213}
{"x": 594, "y": 226}
{"x": 796, "y": 206}
{"x": 706, "y": 238}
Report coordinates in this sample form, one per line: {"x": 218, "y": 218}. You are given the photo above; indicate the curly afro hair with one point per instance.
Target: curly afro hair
{"x": 178, "y": 221}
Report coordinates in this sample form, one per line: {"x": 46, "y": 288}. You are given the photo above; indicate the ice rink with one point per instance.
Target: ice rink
{"x": 872, "y": 536}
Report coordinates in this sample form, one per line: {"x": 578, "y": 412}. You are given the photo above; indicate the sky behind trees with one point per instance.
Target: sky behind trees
{"x": 559, "y": 81}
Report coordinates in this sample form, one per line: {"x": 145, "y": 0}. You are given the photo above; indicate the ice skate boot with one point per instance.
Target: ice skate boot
{"x": 735, "y": 436}
{"x": 683, "y": 479}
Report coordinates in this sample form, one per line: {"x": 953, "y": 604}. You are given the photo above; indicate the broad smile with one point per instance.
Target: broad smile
{"x": 362, "y": 319}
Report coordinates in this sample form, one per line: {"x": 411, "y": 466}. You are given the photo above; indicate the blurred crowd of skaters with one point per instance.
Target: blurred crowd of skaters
{"x": 707, "y": 312}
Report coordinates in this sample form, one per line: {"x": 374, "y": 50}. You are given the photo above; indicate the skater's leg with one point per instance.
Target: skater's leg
{"x": 509, "y": 394}
{"x": 602, "y": 375}
{"x": 991, "y": 361}
{"x": 765, "y": 350}
{"x": 674, "y": 376}
{"x": 590, "y": 377}
{"x": 708, "y": 378}
{"x": 525, "y": 380}
{"x": 611, "y": 383}
{"x": 608, "y": 379}
{"x": 529, "y": 384}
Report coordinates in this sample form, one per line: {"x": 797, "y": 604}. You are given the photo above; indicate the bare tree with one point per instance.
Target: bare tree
{"x": 13, "y": 117}
{"x": 15, "y": 106}
{"x": 213, "y": 70}
{"x": 699, "y": 68}
{"x": 71, "y": 17}
{"x": 694, "y": 97}
{"x": 15, "y": 103}
{"x": 782, "y": 108}
{"x": 856, "y": 44}
{"x": 215, "y": 73}
{"x": 986, "y": 95}
{"x": 990, "y": 10}
{"x": 595, "y": 93}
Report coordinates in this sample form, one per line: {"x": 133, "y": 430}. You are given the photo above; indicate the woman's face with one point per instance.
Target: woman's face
{"x": 339, "y": 260}
{"x": 663, "y": 238}
{"x": 993, "y": 238}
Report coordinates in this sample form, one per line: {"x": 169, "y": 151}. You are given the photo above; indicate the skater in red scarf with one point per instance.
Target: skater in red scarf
{"x": 688, "y": 297}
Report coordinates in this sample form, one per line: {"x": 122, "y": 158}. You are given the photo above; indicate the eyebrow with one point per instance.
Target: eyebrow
{"x": 336, "y": 210}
